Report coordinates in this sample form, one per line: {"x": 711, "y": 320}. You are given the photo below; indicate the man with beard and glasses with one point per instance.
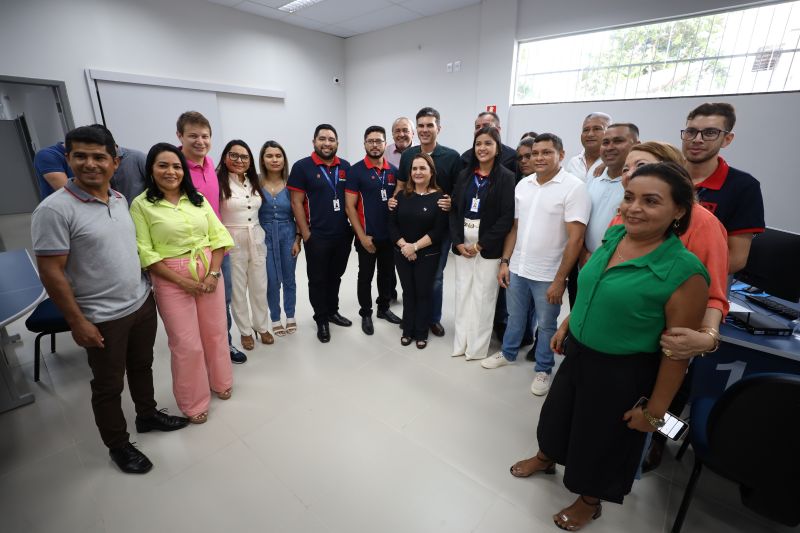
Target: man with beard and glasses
{"x": 317, "y": 185}
{"x": 370, "y": 184}
{"x": 403, "y": 136}
{"x": 732, "y": 195}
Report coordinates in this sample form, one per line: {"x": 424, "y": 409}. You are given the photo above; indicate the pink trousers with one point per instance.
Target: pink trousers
{"x": 197, "y": 336}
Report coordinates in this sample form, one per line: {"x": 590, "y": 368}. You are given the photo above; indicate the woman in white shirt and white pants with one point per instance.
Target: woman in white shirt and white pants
{"x": 240, "y": 199}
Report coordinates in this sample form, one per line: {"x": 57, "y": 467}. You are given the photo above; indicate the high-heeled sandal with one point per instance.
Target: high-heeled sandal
{"x": 278, "y": 329}
{"x": 226, "y": 394}
{"x": 267, "y": 338}
{"x": 291, "y": 326}
{"x": 570, "y": 524}
{"x": 247, "y": 342}
{"x": 405, "y": 341}
{"x": 199, "y": 418}
{"x": 549, "y": 469}
{"x": 421, "y": 345}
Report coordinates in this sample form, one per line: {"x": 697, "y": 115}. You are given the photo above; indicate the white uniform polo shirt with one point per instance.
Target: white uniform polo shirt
{"x": 542, "y": 212}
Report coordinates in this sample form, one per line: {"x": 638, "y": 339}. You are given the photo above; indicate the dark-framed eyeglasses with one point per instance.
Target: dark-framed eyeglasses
{"x": 708, "y": 134}
{"x": 374, "y": 142}
{"x": 244, "y": 158}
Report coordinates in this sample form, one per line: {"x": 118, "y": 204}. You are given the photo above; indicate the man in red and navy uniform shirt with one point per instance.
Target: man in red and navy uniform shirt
{"x": 370, "y": 184}
{"x": 732, "y": 195}
{"x": 317, "y": 186}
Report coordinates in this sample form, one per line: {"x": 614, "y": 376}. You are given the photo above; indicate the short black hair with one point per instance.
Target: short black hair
{"x": 633, "y": 128}
{"x": 722, "y": 109}
{"x": 91, "y": 135}
{"x": 373, "y": 129}
{"x": 531, "y": 134}
{"x": 430, "y": 112}
{"x": 325, "y": 127}
{"x": 681, "y": 189}
{"x": 558, "y": 144}
{"x": 526, "y": 141}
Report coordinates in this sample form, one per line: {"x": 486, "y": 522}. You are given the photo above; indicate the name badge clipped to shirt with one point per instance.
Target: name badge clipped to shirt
{"x": 383, "y": 195}
{"x": 476, "y": 202}
{"x": 336, "y": 206}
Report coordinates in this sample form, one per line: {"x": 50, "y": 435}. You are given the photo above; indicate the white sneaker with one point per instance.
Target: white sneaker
{"x": 496, "y": 361}
{"x": 541, "y": 384}
{"x": 457, "y": 354}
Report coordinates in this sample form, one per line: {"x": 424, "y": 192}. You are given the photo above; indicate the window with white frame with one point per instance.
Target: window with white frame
{"x": 751, "y": 50}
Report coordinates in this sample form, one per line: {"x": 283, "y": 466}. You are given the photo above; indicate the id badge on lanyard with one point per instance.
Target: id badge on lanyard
{"x": 333, "y": 182}
{"x": 476, "y": 204}
{"x": 384, "y": 197}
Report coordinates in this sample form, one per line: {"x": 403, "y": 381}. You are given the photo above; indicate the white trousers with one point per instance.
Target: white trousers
{"x": 249, "y": 278}
{"x": 476, "y": 295}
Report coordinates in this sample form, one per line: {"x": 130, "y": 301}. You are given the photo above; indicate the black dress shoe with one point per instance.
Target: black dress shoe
{"x": 389, "y": 316}
{"x": 237, "y": 356}
{"x": 323, "y": 332}
{"x": 339, "y": 320}
{"x": 366, "y": 325}
{"x": 130, "y": 460}
{"x": 437, "y": 329}
{"x": 160, "y": 421}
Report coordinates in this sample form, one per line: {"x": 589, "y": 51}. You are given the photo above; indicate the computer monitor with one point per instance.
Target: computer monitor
{"x": 774, "y": 264}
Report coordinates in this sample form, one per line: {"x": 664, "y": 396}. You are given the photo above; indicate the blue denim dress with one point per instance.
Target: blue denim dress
{"x": 276, "y": 217}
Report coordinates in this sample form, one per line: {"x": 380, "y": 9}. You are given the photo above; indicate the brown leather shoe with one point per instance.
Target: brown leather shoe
{"x": 267, "y": 338}
{"x": 437, "y": 329}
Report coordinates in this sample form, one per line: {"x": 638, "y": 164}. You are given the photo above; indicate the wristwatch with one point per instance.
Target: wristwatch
{"x": 504, "y": 261}
{"x": 215, "y": 274}
{"x": 657, "y": 423}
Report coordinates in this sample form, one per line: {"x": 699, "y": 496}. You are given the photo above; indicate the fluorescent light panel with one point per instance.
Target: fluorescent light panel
{"x": 297, "y": 5}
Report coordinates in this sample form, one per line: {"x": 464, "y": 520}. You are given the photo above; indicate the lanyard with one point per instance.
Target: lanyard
{"x": 479, "y": 184}
{"x": 381, "y": 177}
{"x": 333, "y": 182}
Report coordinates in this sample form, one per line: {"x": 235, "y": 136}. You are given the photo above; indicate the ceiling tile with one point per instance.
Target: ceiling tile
{"x": 335, "y": 11}
{"x": 377, "y": 20}
{"x": 427, "y": 7}
{"x": 271, "y": 3}
{"x": 264, "y": 11}
{"x": 304, "y": 22}
{"x": 229, "y": 3}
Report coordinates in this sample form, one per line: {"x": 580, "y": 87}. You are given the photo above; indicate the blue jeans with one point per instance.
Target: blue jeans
{"x": 438, "y": 282}
{"x": 521, "y": 294}
{"x": 280, "y": 268}
{"x": 226, "y": 277}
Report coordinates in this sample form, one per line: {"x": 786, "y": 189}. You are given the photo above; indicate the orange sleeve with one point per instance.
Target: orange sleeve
{"x": 708, "y": 240}
{"x": 616, "y": 220}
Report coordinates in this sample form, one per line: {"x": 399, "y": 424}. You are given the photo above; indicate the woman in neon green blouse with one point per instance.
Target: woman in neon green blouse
{"x": 181, "y": 242}
{"x": 638, "y": 283}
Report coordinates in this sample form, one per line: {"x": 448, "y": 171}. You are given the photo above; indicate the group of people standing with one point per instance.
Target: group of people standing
{"x": 642, "y": 236}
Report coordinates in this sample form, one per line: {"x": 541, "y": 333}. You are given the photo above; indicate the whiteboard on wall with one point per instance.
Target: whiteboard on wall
{"x": 140, "y": 116}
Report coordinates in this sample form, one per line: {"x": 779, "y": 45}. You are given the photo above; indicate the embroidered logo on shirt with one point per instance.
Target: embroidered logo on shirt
{"x": 711, "y": 206}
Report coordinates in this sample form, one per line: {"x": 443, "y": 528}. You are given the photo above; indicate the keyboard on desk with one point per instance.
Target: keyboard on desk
{"x": 773, "y": 306}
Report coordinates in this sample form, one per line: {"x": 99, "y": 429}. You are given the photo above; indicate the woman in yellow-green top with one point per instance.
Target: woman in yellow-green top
{"x": 181, "y": 242}
{"x": 638, "y": 283}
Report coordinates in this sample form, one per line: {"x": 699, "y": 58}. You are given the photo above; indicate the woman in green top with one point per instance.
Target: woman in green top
{"x": 638, "y": 283}
{"x": 181, "y": 242}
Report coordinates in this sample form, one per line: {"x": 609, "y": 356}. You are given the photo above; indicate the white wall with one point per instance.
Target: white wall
{"x": 186, "y": 39}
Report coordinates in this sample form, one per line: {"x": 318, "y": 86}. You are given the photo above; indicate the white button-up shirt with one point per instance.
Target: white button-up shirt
{"x": 577, "y": 167}
{"x": 542, "y": 212}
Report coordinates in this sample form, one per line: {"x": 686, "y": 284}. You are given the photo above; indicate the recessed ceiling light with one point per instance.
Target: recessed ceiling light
{"x": 297, "y": 5}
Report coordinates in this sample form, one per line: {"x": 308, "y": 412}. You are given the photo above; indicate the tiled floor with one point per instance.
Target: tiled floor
{"x": 360, "y": 435}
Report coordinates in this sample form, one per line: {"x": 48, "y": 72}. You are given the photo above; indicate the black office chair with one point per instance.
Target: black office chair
{"x": 46, "y": 319}
{"x": 751, "y": 436}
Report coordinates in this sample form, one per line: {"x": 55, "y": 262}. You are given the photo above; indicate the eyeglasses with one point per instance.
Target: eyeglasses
{"x": 708, "y": 134}
{"x": 524, "y": 157}
{"x": 374, "y": 142}
{"x": 244, "y": 158}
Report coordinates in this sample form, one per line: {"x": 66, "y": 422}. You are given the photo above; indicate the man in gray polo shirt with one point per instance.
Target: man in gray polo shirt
{"x": 85, "y": 246}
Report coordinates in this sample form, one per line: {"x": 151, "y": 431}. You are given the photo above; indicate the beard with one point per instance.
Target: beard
{"x": 323, "y": 155}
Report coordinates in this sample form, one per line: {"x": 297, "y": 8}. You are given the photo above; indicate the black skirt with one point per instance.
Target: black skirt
{"x": 581, "y": 425}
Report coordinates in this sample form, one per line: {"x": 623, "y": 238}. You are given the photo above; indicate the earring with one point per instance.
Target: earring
{"x": 676, "y": 224}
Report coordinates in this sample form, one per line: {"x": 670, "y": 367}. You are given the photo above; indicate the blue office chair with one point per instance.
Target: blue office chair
{"x": 46, "y": 319}
{"x": 751, "y": 436}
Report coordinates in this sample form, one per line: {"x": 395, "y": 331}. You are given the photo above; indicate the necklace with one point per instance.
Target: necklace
{"x": 621, "y": 259}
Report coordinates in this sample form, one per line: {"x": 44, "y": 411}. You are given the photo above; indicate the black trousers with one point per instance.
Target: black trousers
{"x": 416, "y": 278}
{"x": 326, "y": 261}
{"x": 581, "y": 424}
{"x": 572, "y": 285}
{"x": 128, "y": 349}
{"x": 384, "y": 260}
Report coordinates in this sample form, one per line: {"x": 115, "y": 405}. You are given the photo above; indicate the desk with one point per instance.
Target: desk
{"x": 741, "y": 354}
{"x": 20, "y": 291}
